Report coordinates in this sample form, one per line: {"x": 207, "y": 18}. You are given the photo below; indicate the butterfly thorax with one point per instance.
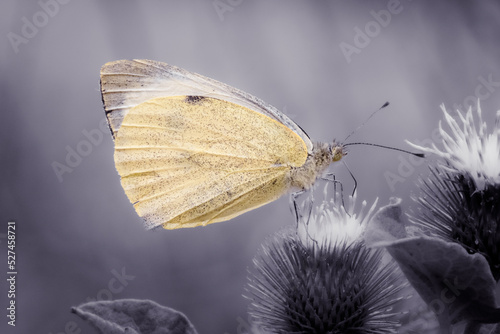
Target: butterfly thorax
{"x": 322, "y": 155}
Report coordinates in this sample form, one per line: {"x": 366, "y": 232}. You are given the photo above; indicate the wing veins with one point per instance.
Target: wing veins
{"x": 117, "y": 108}
{"x": 122, "y": 73}
{"x": 195, "y": 152}
{"x": 149, "y": 171}
{"x": 185, "y": 185}
{"x": 134, "y": 90}
{"x": 240, "y": 195}
{"x": 144, "y": 126}
{"x": 152, "y": 64}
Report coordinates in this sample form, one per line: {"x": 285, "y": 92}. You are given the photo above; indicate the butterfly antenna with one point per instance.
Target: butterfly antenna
{"x": 366, "y": 120}
{"x": 420, "y": 155}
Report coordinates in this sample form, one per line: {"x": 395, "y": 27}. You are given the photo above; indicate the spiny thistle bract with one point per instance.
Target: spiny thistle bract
{"x": 461, "y": 197}
{"x": 334, "y": 286}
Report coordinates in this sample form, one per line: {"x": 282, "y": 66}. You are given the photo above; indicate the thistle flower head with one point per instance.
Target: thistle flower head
{"x": 469, "y": 148}
{"x": 331, "y": 223}
{"x": 323, "y": 281}
{"x": 460, "y": 199}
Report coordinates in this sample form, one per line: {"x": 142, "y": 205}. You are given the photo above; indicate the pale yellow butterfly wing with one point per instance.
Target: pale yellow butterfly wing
{"x": 127, "y": 83}
{"x": 186, "y": 161}
{"x": 260, "y": 190}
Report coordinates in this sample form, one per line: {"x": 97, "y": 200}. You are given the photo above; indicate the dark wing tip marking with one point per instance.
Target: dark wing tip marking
{"x": 194, "y": 99}
{"x": 102, "y": 92}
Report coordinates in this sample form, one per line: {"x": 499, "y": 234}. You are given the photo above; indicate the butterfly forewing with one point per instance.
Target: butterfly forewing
{"x": 127, "y": 83}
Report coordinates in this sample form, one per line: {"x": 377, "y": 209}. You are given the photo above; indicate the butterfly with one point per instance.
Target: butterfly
{"x": 192, "y": 151}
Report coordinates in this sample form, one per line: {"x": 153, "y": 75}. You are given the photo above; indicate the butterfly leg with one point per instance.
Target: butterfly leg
{"x": 330, "y": 177}
{"x": 294, "y": 206}
{"x": 352, "y": 175}
{"x": 297, "y": 210}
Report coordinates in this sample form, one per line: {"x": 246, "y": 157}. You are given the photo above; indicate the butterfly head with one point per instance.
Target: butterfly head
{"x": 338, "y": 151}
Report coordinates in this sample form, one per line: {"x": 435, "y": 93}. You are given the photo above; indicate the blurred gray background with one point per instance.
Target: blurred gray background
{"x": 327, "y": 64}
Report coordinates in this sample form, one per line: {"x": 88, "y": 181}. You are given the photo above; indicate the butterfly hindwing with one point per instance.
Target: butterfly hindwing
{"x": 191, "y": 160}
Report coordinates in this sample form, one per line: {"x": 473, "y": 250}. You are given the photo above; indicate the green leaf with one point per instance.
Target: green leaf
{"x": 133, "y": 316}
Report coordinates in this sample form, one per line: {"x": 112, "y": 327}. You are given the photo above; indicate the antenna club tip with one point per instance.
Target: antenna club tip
{"x": 420, "y": 155}
{"x": 385, "y": 105}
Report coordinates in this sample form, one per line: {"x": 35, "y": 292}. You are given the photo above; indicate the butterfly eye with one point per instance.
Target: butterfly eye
{"x": 338, "y": 152}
